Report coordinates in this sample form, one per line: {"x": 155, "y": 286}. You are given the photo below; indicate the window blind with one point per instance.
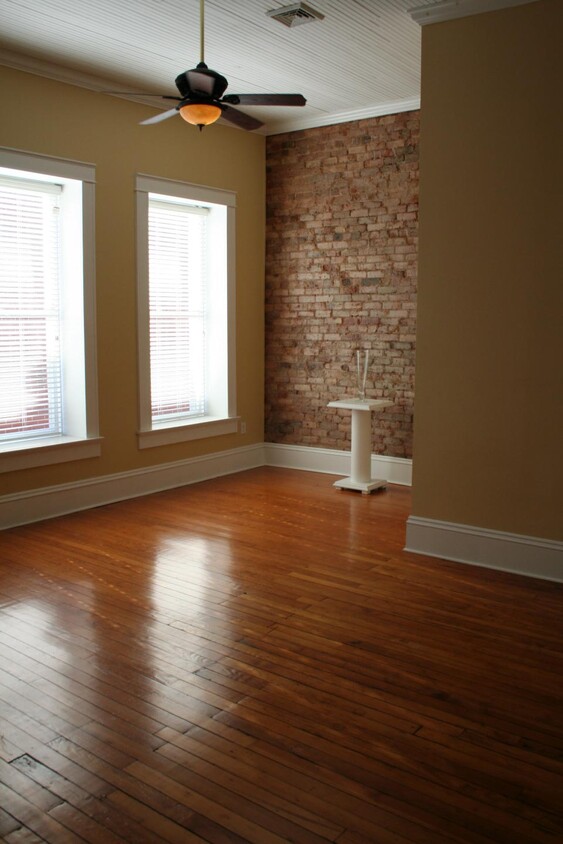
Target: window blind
{"x": 30, "y": 361}
{"x": 177, "y": 305}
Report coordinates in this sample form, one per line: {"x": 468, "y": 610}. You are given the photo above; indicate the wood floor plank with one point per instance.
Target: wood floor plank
{"x": 152, "y": 820}
{"x": 253, "y": 823}
{"x": 433, "y": 712}
{"x": 257, "y": 764}
{"x": 22, "y": 836}
{"x": 255, "y": 659}
{"x": 121, "y": 703}
{"x": 145, "y": 788}
{"x": 8, "y": 824}
{"x": 421, "y": 796}
{"x": 278, "y": 798}
{"x": 400, "y": 680}
{"x": 35, "y": 819}
{"x": 417, "y": 754}
{"x": 346, "y": 802}
{"x": 303, "y": 789}
{"x": 99, "y": 822}
{"x": 33, "y": 792}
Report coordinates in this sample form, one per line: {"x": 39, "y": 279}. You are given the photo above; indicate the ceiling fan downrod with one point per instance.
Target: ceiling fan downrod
{"x": 201, "y": 31}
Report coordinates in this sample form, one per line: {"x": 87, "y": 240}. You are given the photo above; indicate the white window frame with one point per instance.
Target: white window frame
{"x": 81, "y": 438}
{"x": 221, "y": 417}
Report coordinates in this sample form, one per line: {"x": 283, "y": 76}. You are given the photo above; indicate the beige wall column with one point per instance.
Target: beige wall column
{"x": 489, "y": 392}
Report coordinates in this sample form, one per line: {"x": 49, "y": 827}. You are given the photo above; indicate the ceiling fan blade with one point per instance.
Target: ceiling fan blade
{"x": 158, "y": 118}
{"x": 240, "y": 119}
{"x": 266, "y": 99}
{"x": 141, "y": 94}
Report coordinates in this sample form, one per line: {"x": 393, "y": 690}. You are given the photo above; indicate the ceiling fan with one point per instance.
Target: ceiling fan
{"x": 203, "y": 99}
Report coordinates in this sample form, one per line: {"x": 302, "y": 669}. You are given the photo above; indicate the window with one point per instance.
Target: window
{"x": 30, "y": 399}
{"x": 186, "y": 311}
{"x": 48, "y": 400}
{"x": 178, "y": 283}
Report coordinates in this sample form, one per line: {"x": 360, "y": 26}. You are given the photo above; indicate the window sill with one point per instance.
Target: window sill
{"x": 201, "y": 428}
{"x": 28, "y": 454}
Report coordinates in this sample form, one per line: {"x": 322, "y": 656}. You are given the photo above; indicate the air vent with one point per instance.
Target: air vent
{"x": 295, "y": 15}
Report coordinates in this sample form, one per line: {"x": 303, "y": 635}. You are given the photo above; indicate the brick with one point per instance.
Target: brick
{"x": 341, "y": 254}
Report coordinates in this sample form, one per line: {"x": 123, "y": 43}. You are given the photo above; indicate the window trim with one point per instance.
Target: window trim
{"x": 31, "y": 452}
{"x": 154, "y": 434}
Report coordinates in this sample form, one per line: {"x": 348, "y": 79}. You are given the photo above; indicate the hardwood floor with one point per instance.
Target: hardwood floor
{"x": 254, "y": 659}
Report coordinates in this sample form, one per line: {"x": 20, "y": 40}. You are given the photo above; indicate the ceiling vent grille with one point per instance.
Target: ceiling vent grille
{"x": 295, "y": 15}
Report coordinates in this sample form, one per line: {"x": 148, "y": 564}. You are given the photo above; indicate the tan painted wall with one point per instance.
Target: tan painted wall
{"x": 489, "y": 397}
{"x": 51, "y": 118}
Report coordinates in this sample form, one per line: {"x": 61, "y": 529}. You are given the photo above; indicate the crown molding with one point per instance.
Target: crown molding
{"x": 447, "y": 10}
{"x": 379, "y": 110}
{"x": 39, "y": 67}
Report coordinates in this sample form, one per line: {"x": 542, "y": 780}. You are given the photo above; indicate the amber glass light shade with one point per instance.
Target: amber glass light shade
{"x": 200, "y": 114}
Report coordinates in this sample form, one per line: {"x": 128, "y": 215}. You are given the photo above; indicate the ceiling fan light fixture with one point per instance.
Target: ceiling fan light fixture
{"x": 200, "y": 114}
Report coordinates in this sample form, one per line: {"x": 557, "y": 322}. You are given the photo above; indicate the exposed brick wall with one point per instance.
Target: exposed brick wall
{"x": 342, "y": 211}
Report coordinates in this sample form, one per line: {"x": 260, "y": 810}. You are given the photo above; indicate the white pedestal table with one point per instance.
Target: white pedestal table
{"x": 360, "y": 475}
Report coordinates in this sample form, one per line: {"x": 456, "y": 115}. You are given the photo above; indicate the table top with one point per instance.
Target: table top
{"x": 361, "y": 404}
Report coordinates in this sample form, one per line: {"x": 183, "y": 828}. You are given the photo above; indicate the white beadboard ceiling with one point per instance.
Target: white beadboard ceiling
{"x": 362, "y": 60}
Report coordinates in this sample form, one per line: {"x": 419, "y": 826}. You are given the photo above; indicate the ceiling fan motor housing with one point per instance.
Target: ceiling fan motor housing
{"x": 201, "y": 83}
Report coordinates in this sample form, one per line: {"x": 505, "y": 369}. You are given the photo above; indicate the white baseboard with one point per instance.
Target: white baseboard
{"x": 395, "y": 470}
{"x": 528, "y": 555}
{"x": 48, "y": 502}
